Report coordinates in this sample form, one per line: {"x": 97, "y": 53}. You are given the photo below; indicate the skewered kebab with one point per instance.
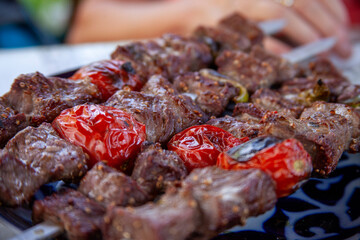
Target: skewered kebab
{"x": 160, "y": 108}
{"x": 186, "y": 212}
{"x": 81, "y": 212}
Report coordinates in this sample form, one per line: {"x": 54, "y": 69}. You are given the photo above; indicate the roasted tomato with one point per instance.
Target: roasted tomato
{"x": 105, "y": 133}
{"x": 286, "y": 161}
{"x": 110, "y": 76}
{"x": 199, "y": 146}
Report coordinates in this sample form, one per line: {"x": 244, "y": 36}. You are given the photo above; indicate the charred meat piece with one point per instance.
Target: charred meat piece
{"x": 323, "y": 68}
{"x": 340, "y": 88}
{"x": 232, "y": 33}
{"x": 34, "y": 157}
{"x": 142, "y": 57}
{"x": 239, "y": 127}
{"x": 350, "y": 95}
{"x": 210, "y": 201}
{"x": 311, "y": 89}
{"x": 240, "y": 24}
{"x": 247, "y": 70}
{"x": 305, "y": 91}
{"x": 220, "y": 38}
{"x": 169, "y": 55}
{"x": 159, "y": 86}
{"x": 323, "y": 110}
{"x": 270, "y": 100}
{"x": 175, "y": 216}
{"x": 228, "y": 198}
{"x": 253, "y": 111}
{"x": 81, "y": 217}
{"x": 156, "y": 169}
{"x": 109, "y": 186}
{"x": 284, "y": 69}
{"x": 11, "y": 122}
{"x": 318, "y": 134}
{"x": 42, "y": 99}
{"x": 212, "y": 91}
{"x": 163, "y": 114}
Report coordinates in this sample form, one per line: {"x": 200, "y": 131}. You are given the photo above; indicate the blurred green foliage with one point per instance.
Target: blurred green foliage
{"x": 52, "y": 16}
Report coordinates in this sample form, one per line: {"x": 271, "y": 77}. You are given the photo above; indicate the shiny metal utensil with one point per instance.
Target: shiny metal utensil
{"x": 271, "y": 27}
{"x": 310, "y": 50}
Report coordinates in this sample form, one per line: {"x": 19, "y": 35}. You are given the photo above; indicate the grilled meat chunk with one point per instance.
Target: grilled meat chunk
{"x": 210, "y": 200}
{"x": 109, "y": 186}
{"x": 11, "y": 122}
{"x": 341, "y": 89}
{"x": 284, "y": 69}
{"x": 163, "y": 114}
{"x": 252, "y": 110}
{"x": 232, "y": 33}
{"x": 228, "y": 198}
{"x": 212, "y": 90}
{"x": 221, "y": 38}
{"x": 240, "y": 24}
{"x": 270, "y": 100}
{"x": 34, "y": 157}
{"x": 323, "y": 68}
{"x": 175, "y": 216}
{"x": 42, "y": 99}
{"x": 246, "y": 126}
{"x": 81, "y": 217}
{"x": 305, "y": 91}
{"x": 246, "y": 70}
{"x": 318, "y": 134}
{"x": 324, "y": 110}
{"x": 156, "y": 169}
{"x": 169, "y": 55}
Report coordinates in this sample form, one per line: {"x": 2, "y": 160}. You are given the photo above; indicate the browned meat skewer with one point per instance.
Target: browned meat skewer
{"x": 252, "y": 73}
{"x": 11, "y": 122}
{"x": 81, "y": 217}
{"x": 211, "y": 90}
{"x": 270, "y": 100}
{"x": 34, "y": 98}
{"x": 164, "y": 114}
{"x": 169, "y": 55}
{"x": 157, "y": 169}
{"x": 210, "y": 201}
{"x": 42, "y": 99}
{"x": 36, "y": 156}
{"x": 246, "y": 27}
{"x": 110, "y": 186}
{"x": 244, "y": 126}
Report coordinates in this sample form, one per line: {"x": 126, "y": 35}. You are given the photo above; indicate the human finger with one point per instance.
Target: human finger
{"x": 297, "y": 28}
{"x": 322, "y": 19}
{"x": 338, "y": 9}
{"x": 276, "y": 46}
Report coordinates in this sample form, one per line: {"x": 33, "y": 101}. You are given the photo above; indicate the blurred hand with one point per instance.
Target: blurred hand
{"x": 307, "y": 20}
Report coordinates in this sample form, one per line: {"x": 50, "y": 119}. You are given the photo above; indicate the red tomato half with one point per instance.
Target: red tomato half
{"x": 199, "y": 146}
{"x": 110, "y": 76}
{"x": 286, "y": 162}
{"x": 105, "y": 133}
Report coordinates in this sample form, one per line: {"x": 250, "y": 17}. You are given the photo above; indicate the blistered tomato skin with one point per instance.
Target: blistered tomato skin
{"x": 105, "y": 133}
{"x": 286, "y": 162}
{"x": 110, "y": 76}
{"x": 199, "y": 146}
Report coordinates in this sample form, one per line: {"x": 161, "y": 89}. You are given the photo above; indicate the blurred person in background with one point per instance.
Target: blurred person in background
{"x": 307, "y": 20}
